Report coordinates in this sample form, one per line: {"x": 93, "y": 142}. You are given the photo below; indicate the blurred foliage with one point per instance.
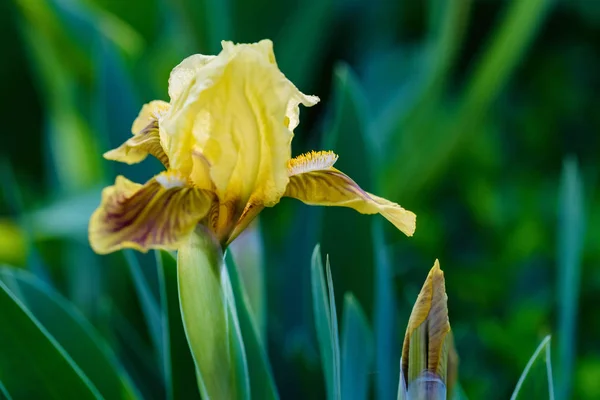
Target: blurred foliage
{"x": 462, "y": 111}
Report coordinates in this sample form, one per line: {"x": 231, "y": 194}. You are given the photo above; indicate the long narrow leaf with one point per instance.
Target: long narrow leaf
{"x": 247, "y": 250}
{"x": 262, "y": 385}
{"x": 147, "y": 300}
{"x": 334, "y": 335}
{"x": 536, "y": 380}
{"x": 322, "y": 308}
{"x": 509, "y": 42}
{"x": 346, "y": 135}
{"x": 33, "y": 364}
{"x": 322, "y": 318}
{"x": 179, "y": 368}
{"x": 357, "y": 351}
{"x": 387, "y": 349}
{"x": 4, "y": 392}
{"x": 570, "y": 245}
{"x": 301, "y": 41}
{"x": 236, "y": 342}
{"x": 74, "y": 333}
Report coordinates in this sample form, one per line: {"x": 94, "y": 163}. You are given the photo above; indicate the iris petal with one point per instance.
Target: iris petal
{"x": 427, "y": 331}
{"x": 146, "y": 137}
{"x": 331, "y": 187}
{"x": 159, "y": 215}
{"x": 239, "y": 111}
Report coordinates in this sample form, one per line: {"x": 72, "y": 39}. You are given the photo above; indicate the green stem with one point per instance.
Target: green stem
{"x": 209, "y": 319}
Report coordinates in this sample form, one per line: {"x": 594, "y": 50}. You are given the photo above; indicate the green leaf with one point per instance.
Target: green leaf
{"x": 429, "y": 70}
{"x": 536, "y": 380}
{"x": 209, "y": 22}
{"x": 262, "y": 384}
{"x": 334, "y": 335}
{"x": 73, "y": 332}
{"x": 33, "y": 363}
{"x": 180, "y": 371}
{"x": 248, "y": 251}
{"x": 301, "y": 41}
{"x": 148, "y": 302}
{"x": 236, "y": 341}
{"x": 4, "y": 392}
{"x": 324, "y": 314}
{"x": 357, "y": 351}
{"x": 387, "y": 350}
{"x": 67, "y": 216}
{"x": 440, "y": 136}
{"x": 210, "y": 319}
{"x": 571, "y": 229}
{"x": 345, "y": 135}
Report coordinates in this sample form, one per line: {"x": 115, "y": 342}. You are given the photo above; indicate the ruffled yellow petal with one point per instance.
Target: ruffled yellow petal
{"x": 314, "y": 181}
{"x": 150, "y": 112}
{"x": 184, "y": 73}
{"x": 238, "y": 110}
{"x": 146, "y": 137}
{"x": 427, "y": 330}
{"x": 159, "y": 215}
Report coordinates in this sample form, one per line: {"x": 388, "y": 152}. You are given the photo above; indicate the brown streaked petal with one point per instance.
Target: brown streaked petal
{"x": 146, "y": 137}
{"x": 425, "y": 346}
{"x": 330, "y": 187}
{"x": 250, "y": 212}
{"x": 158, "y": 215}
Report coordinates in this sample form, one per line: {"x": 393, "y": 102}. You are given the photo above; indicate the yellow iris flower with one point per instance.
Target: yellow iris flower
{"x": 225, "y": 141}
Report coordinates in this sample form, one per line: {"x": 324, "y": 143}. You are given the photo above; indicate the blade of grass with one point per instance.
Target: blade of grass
{"x": 74, "y": 333}
{"x": 178, "y": 364}
{"x": 571, "y": 221}
{"x": 33, "y": 364}
{"x": 148, "y": 302}
{"x": 322, "y": 320}
{"x": 387, "y": 350}
{"x": 4, "y": 392}
{"x": 547, "y": 370}
{"x": 235, "y": 336}
{"x": 334, "y": 335}
{"x": 248, "y": 251}
{"x": 262, "y": 385}
{"x": 357, "y": 350}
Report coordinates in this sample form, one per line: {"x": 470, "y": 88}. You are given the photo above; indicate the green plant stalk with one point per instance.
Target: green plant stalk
{"x": 207, "y": 319}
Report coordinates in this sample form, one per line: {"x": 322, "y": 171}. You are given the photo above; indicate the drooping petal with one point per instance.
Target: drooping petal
{"x": 314, "y": 181}
{"x": 238, "y": 110}
{"x": 159, "y": 215}
{"x": 427, "y": 343}
{"x": 146, "y": 137}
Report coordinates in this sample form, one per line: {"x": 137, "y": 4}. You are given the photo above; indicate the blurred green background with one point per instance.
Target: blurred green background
{"x": 481, "y": 116}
